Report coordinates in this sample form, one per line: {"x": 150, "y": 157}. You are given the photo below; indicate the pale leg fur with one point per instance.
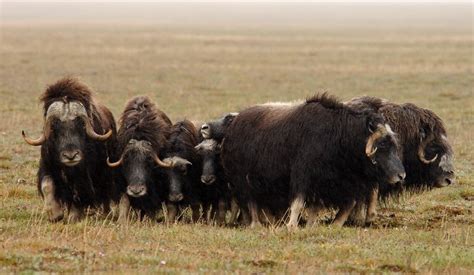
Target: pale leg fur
{"x": 221, "y": 210}
{"x": 124, "y": 209}
{"x": 253, "y": 208}
{"x": 343, "y": 214}
{"x": 172, "y": 210}
{"x": 296, "y": 207}
{"x": 372, "y": 207}
{"x": 75, "y": 214}
{"x": 51, "y": 205}
{"x": 234, "y": 211}
{"x": 313, "y": 215}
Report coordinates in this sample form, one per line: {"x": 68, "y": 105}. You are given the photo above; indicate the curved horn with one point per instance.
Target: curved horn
{"x": 421, "y": 152}
{"x": 421, "y": 155}
{"x": 34, "y": 142}
{"x": 161, "y": 163}
{"x": 114, "y": 164}
{"x": 92, "y": 134}
{"x": 369, "y": 147}
{"x": 370, "y": 154}
{"x": 53, "y": 111}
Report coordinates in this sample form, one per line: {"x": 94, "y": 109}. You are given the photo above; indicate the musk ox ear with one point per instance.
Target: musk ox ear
{"x": 229, "y": 118}
{"x": 371, "y": 125}
{"x": 425, "y": 130}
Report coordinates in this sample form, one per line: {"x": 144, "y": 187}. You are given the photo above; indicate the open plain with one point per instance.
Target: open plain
{"x": 203, "y": 72}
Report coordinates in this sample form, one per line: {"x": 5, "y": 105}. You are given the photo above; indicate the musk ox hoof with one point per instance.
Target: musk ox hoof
{"x": 75, "y": 215}
{"x": 370, "y": 219}
{"x": 255, "y": 225}
{"x": 56, "y": 217}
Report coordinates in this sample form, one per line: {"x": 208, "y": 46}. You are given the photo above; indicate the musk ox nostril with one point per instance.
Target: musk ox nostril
{"x": 449, "y": 181}
{"x": 136, "y": 191}
{"x": 402, "y": 176}
{"x": 204, "y": 127}
{"x": 70, "y": 155}
{"x": 209, "y": 179}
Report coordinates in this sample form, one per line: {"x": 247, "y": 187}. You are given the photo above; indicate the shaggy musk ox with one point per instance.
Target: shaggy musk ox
{"x": 142, "y": 139}
{"x": 216, "y": 192}
{"x": 72, "y": 170}
{"x": 184, "y": 176}
{"x": 319, "y": 153}
{"x": 427, "y": 154}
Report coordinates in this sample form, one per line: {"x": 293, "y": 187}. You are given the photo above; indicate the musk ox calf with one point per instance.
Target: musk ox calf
{"x": 427, "y": 154}
{"x": 142, "y": 140}
{"x": 320, "y": 153}
{"x": 73, "y": 171}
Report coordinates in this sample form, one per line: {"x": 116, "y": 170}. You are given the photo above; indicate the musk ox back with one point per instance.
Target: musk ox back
{"x": 142, "y": 140}
{"x": 78, "y": 133}
{"x": 319, "y": 153}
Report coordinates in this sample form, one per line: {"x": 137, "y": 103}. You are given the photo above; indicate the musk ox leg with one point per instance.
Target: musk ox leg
{"x": 313, "y": 215}
{"x": 372, "y": 206}
{"x": 51, "y": 205}
{"x": 124, "y": 209}
{"x": 296, "y": 207}
{"x": 172, "y": 210}
{"x": 253, "y": 208}
{"x": 221, "y": 211}
{"x": 75, "y": 214}
{"x": 343, "y": 214}
{"x": 234, "y": 211}
{"x": 268, "y": 216}
{"x": 196, "y": 215}
{"x": 357, "y": 216}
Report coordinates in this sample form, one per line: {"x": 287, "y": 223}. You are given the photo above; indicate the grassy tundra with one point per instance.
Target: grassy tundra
{"x": 203, "y": 73}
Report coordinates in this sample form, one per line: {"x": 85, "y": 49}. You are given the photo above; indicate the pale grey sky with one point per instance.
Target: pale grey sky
{"x": 310, "y": 15}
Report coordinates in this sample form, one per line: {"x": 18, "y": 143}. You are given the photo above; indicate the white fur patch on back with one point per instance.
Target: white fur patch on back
{"x": 282, "y": 104}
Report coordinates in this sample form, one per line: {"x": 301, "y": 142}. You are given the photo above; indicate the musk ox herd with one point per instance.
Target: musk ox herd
{"x": 267, "y": 163}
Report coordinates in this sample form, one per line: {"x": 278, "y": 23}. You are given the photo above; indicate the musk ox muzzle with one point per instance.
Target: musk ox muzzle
{"x": 136, "y": 190}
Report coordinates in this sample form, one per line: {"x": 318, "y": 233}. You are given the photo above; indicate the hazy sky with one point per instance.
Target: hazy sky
{"x": 451, "y": 14}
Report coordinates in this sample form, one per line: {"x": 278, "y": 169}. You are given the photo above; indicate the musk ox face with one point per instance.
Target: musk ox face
{"x": 70, "y": 141}
{"x": 138, "y": 161}
{"x": 436, "y": 157}
{"x": 382, "y": 150}
{"x": 178, "y": 177}
{"x": 216, "y": 129}
{"x": 67, "y": 128}
{"x": 209, "y": 150}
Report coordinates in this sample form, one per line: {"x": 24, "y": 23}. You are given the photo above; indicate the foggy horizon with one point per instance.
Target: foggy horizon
{"x": 309, "y": 15}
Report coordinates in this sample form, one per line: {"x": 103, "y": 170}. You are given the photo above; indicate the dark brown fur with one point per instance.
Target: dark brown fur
{"x": 90, "y": 183}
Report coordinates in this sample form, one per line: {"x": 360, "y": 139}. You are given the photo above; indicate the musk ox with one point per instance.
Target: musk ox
{"x": 142, "y": 140}
{"x": 184, "y": 175}
{"x": 216, "y": 192}
{"x": 427, "y": 154}
{"x": 77, "y": 135}
{"x": 320, "y": 153}
{"x": 216, "y": 129}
